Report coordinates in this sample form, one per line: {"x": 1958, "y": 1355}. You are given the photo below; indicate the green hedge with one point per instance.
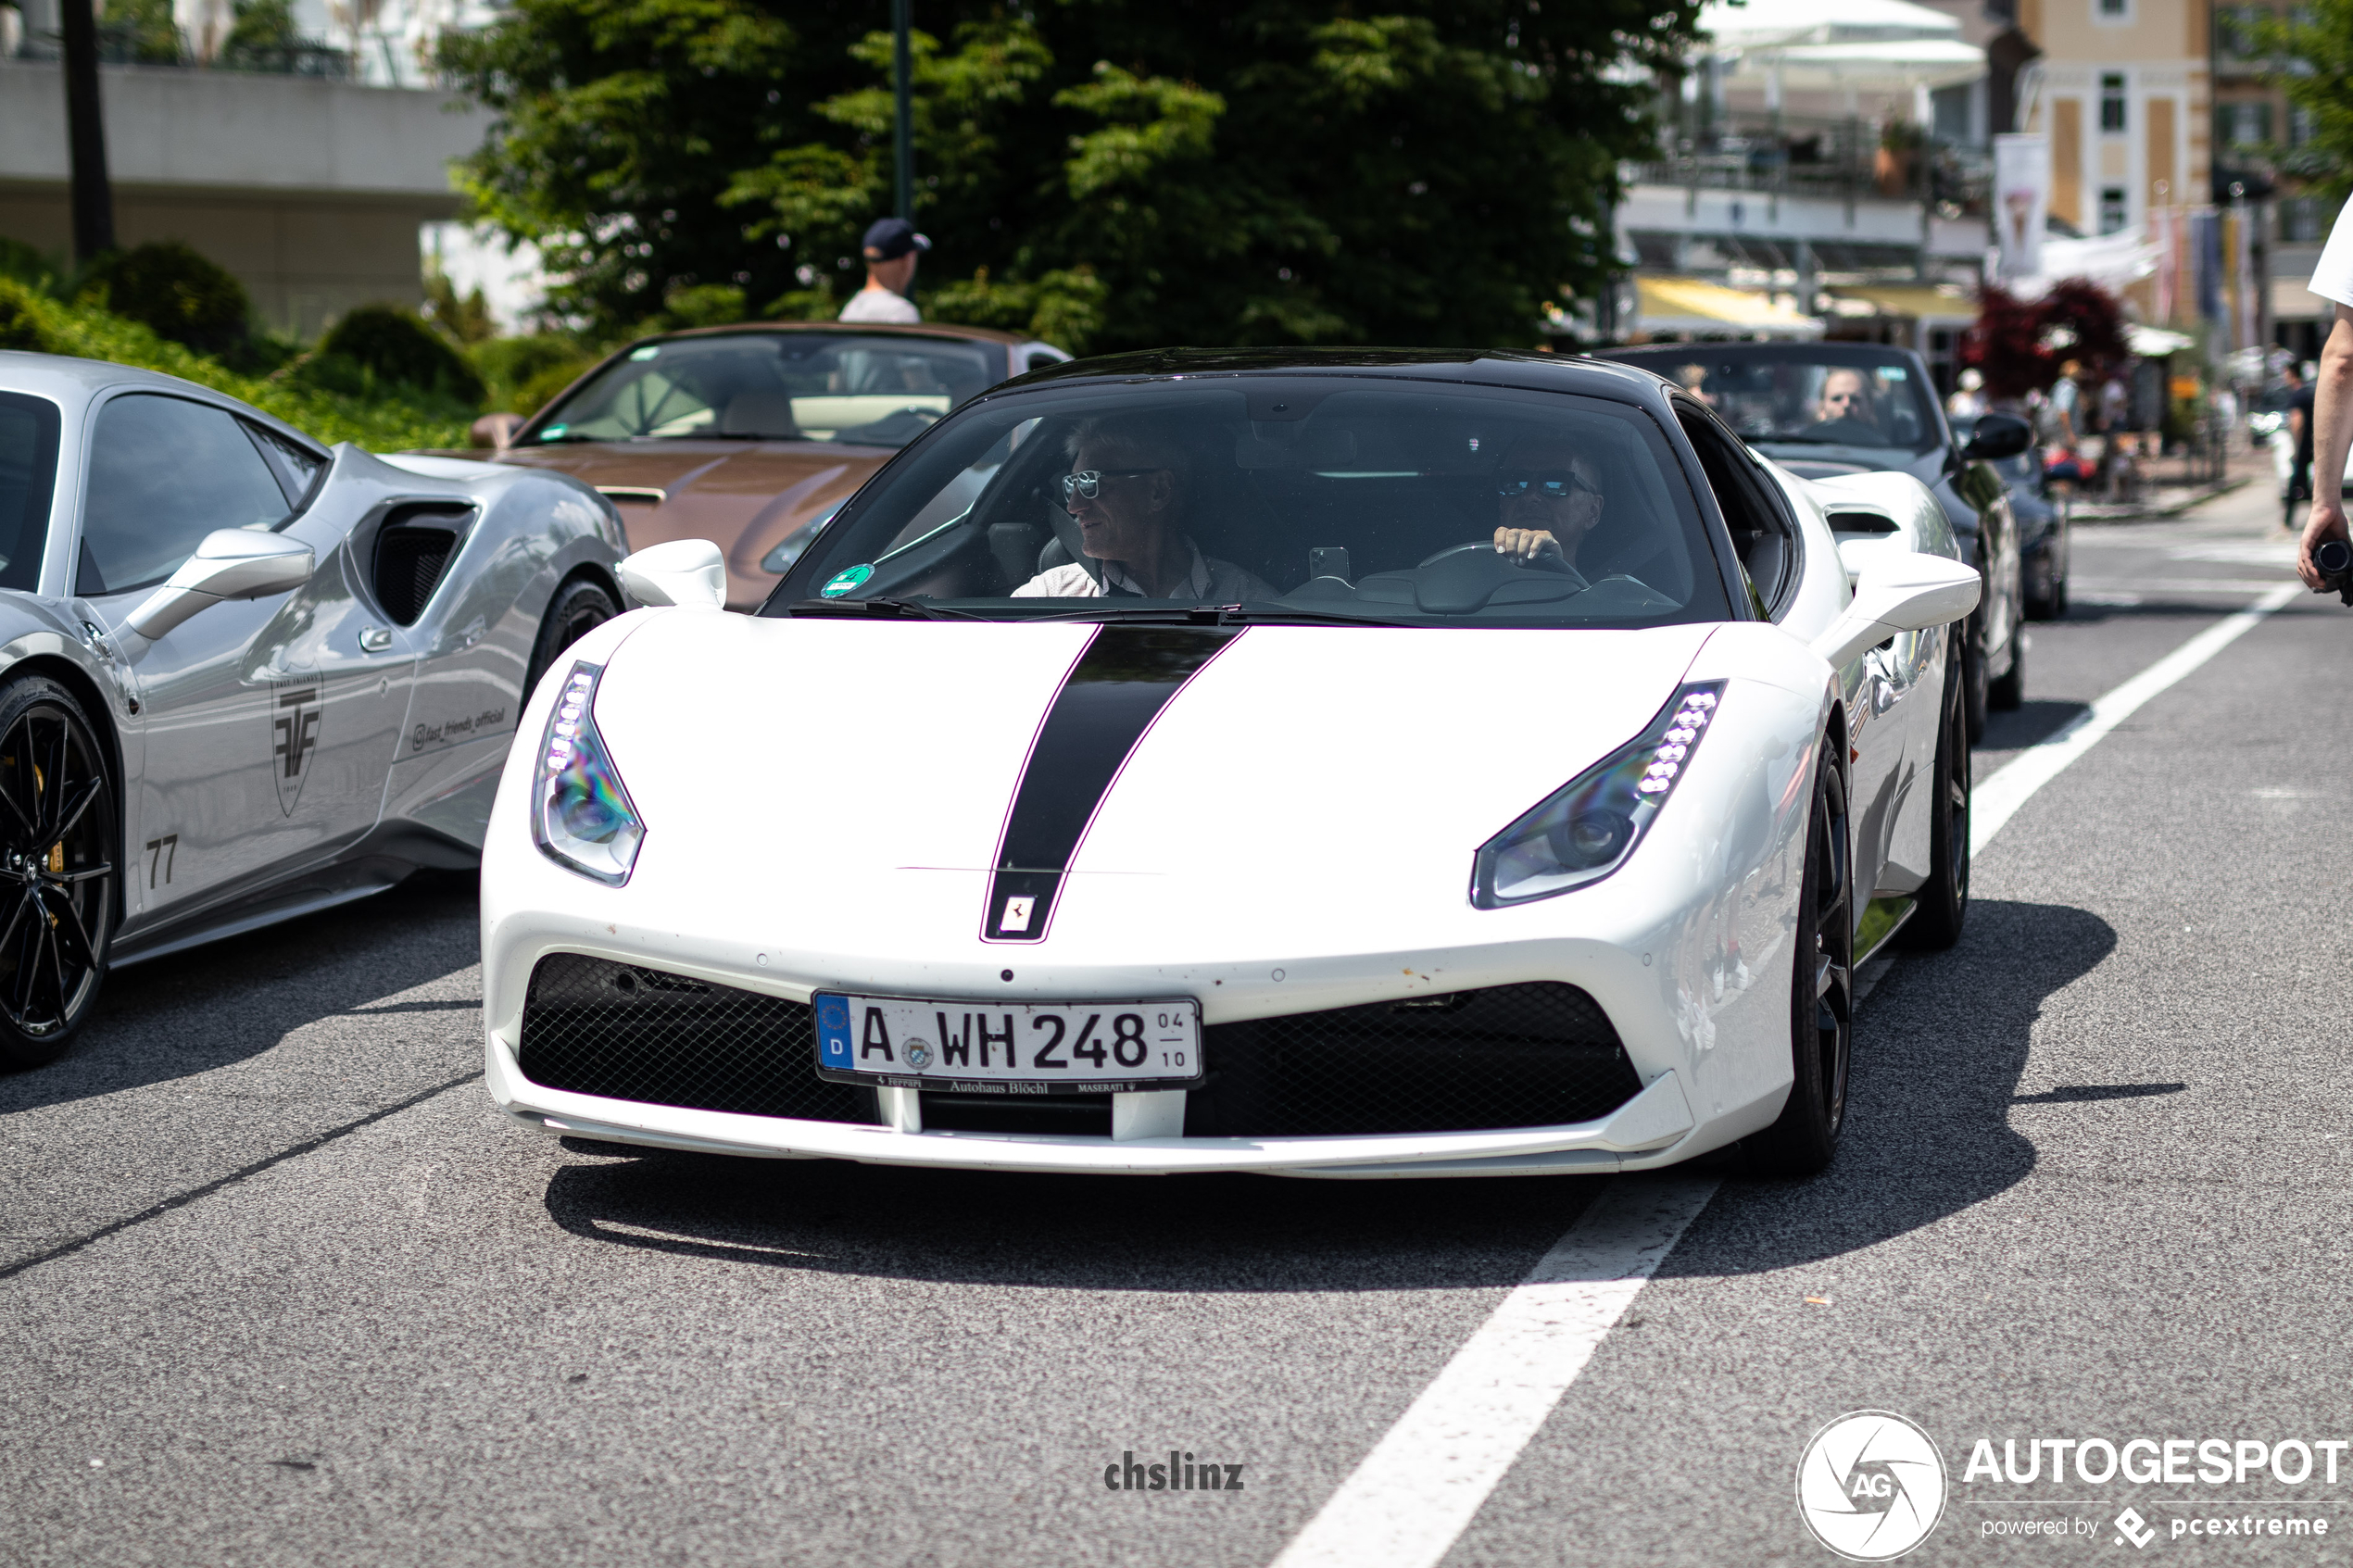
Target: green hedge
{"x": 389, "y": 421}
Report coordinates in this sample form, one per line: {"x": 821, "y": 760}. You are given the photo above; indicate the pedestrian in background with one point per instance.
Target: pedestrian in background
{"x": 2299, "y": 430}
{"x": 892, "y": 246}
{"x": 2332, "y": 422}
{"x": 1969, "y": 401}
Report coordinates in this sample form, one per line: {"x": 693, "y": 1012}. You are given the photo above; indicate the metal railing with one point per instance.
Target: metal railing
{"x": 1846, "y": 159}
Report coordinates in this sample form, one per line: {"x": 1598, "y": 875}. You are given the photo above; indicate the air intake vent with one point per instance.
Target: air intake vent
{"x": 412, "y": 551}
{"x": 1861, "y": 522}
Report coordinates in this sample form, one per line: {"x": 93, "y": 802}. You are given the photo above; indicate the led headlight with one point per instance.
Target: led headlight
{"x": 581, "y": 815}
{"x": 1588, "y": 828}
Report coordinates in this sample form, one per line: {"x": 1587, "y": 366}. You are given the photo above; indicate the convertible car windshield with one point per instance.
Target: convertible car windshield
{"x": 1325, "y": 497}
{"x": 857, "y": 389}
{"x": 1806, "y": 395}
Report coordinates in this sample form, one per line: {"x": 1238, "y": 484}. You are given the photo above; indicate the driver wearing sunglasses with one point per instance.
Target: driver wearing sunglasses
{"x": 1548, "y": 498}
{"x": 1846, "y": 399}
{"x": 1127, "y": 492}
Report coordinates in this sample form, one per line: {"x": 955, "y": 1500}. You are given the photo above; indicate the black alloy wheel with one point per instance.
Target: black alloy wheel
{"x": 1942, "y": 904}
{"x": 578, "y": 608}
{"x": 1976, "y": 695}
{"x": 2009, "y": 691}
{"x": 1821, "y": 993}
{"x": 56, "y": 851}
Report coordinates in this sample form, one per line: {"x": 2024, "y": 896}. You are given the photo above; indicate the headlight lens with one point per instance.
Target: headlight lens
{"x": 1588, "y": 828}
{"x": 581, "y": 814}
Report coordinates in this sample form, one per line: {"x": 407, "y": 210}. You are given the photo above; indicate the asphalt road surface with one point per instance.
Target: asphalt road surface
{"x": 276, "y": 1286}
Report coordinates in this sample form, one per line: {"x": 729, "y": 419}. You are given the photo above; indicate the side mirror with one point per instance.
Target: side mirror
{"x": 494, "y": 431}
{"x": 1998, "y": 435}
{"x": 231, "y": 563}
{"x": 1899, "y": 592}
{"x": 690, "y": 574}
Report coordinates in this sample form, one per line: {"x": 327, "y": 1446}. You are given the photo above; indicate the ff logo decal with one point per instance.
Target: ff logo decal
{"x": 294, "y": 712}
{"x": 1870, "y": 1485}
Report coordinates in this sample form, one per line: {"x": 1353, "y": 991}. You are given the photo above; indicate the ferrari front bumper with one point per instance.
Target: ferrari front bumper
{"x": 1640, "y": 1134}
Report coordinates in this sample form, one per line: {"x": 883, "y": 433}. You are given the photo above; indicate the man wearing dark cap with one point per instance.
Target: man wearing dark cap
{"x": 892, "y": 247}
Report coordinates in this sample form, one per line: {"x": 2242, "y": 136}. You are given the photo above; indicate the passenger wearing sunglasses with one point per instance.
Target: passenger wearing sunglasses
{"x": 1127, "y": 491}
{"x": 1548, "y": 498}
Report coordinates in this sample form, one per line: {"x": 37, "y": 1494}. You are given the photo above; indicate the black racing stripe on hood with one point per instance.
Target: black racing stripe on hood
{"x": 1107, "y": 702}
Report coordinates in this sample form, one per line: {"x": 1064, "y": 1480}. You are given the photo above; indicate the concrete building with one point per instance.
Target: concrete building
{"x": 310, "y": 191}
{"x": 2122, "y": 90}
{"x": 1825, "y": 159}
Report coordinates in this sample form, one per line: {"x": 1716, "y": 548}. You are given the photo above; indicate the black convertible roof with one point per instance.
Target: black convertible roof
{"x": 1494, "y": 366}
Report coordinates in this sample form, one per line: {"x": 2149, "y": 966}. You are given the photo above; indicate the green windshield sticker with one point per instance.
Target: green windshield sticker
{"x": 844, "y": 582}
{"x": 647, "y": 352}
{"x": 552, "y": 432}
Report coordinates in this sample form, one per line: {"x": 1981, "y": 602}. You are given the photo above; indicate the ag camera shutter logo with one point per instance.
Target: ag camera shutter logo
{"x": 1870, "y": 1485}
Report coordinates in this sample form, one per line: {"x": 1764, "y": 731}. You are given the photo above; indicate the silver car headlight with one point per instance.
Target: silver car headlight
{"x": 581, "y": 814}
{"x": 1587, "y": 829}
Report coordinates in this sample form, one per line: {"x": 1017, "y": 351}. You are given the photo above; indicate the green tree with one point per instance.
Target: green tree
{"x": 1110, "y": 175}
{"x": 2317, "y": 37}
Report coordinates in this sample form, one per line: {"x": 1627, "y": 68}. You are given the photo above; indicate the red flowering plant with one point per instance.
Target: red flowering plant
{"x": 2019, "y": 345}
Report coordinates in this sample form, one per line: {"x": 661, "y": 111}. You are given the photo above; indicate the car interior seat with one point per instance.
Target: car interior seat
{"x": 759, "y": 413}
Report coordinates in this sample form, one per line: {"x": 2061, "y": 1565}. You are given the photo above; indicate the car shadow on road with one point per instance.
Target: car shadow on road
{"x": 229, "y": 1000}
{"x": 2030, "y": 723}
{"x": 1205, "y": 1233}
{"x": 1939, "y": 1050}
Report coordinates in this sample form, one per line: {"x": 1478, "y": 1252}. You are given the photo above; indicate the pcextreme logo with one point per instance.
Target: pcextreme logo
{"x": 1870, "y": 1485}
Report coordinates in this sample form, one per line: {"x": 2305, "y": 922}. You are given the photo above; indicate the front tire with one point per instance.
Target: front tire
{"x": 2008, "y": 692}
{"x": 57, "y": 838}
{"x": 1976, "y": 693}
{"x": 1941, "y": 903}
{"x": 1821, "y": 993}
{"x": 578, "y": 608}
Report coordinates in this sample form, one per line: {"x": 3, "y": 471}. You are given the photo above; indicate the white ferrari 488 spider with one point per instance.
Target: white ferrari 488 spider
{"x": 1373, "y": 764}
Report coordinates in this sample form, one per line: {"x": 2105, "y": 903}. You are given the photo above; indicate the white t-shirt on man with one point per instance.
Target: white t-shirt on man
{"x": 2333, "y": 279}
{"x": 1211, "y": 582}
{"x": 881, "y": 305}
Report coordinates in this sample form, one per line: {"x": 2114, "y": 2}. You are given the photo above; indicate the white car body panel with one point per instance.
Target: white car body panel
{"x": 1294, "y": 833}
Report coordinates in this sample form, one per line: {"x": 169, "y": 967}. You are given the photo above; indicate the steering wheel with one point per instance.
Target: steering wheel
{"x": 1549, "y": 556}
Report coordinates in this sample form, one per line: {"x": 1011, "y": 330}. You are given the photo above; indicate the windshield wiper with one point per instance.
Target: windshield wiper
{"x": 855, "y": 609}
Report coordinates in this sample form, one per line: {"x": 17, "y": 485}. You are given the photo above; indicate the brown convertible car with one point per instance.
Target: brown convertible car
{"x": 751, "y": 436}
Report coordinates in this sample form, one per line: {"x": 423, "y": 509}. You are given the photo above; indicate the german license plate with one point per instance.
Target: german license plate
{"x": 1034, "y": 1048}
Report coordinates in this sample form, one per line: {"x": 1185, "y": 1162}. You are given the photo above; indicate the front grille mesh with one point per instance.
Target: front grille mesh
{"x": 1537, "y": 1055}
{"x": 624, "y": 1032}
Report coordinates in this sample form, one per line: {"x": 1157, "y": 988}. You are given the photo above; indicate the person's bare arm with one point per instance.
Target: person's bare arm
{"x": 2332, "y": 439}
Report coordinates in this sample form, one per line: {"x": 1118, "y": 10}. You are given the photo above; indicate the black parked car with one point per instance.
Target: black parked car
{"x": 1820, "y": 409}
{"x": 2042, "y": 526}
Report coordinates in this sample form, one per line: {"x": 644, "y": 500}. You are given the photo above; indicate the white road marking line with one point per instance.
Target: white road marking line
{"x": 1998, "y": 798}
{"x": 1420, "y": 1486}
{"x": 1412, "y": 1497}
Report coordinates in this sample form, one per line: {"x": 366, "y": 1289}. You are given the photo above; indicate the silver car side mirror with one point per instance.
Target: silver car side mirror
{"x": 1901, "y": 591}
{"x": 231, "y": 563}
{"x": 690, "y": 574}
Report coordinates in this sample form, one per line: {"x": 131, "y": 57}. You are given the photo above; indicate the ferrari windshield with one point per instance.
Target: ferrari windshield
{"x": 860, "y": 389}
{"x": 1807, "y": 394}
{"x": 1325, "y": 497}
